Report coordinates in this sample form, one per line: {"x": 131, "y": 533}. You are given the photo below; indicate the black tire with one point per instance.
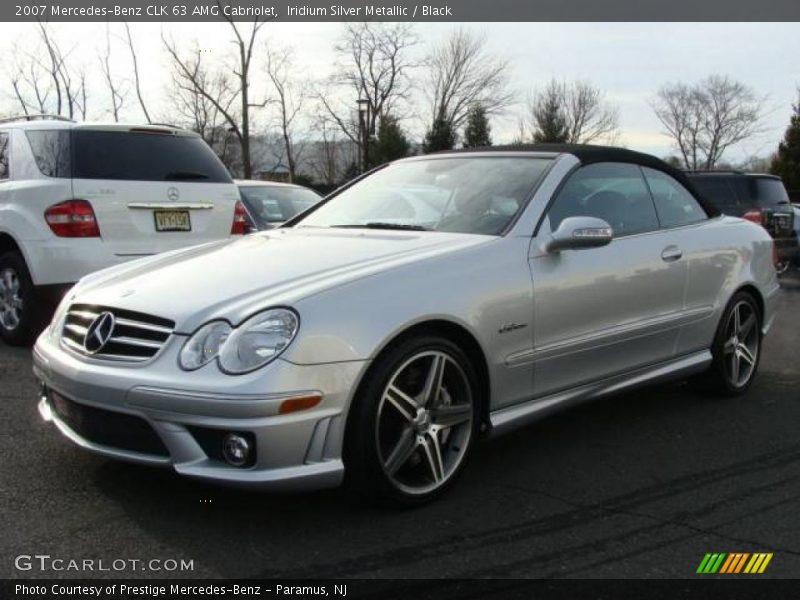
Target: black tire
{"x": 364, "y": 466}
{"x": 718, "y": 379}
{"x": 29, "y": 322}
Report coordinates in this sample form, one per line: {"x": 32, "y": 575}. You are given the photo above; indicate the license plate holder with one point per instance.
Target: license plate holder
{"x": 172, "y": 220}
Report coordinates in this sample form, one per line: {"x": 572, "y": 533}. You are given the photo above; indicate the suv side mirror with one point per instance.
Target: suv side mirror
{"x": 575, "y": 233}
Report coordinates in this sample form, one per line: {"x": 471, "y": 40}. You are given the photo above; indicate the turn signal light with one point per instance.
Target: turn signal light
{"x": 72, "y": 219}
{"x": 239, "y": 226}
{"x": 300, "y": 403}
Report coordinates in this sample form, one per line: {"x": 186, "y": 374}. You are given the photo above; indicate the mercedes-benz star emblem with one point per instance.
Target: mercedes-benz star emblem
{"x": 99, "y": 333}
{"x": 173, "y": 194}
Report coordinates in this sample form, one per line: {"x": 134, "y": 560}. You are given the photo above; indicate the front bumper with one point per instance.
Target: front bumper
{"x": 299, "y": 450}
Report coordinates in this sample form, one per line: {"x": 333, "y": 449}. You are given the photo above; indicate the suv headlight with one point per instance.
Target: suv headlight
{"x": 246, "y": 348}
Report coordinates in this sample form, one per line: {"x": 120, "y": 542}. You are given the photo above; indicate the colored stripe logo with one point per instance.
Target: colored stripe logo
{"x": 734, "y": 563}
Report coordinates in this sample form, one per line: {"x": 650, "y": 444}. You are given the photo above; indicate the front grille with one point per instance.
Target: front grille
{"x": 108, "y": 428}
{"x": 134, "y": 337}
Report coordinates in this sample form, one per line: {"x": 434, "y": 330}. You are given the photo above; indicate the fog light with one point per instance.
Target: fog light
{"x": 236, "y": 449}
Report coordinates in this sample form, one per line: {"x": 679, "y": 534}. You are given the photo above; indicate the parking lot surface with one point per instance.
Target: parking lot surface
{"x": 640, "y": 485}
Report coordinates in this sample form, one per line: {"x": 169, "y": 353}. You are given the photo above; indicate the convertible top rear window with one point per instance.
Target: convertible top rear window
{"x": 462, "y": 194}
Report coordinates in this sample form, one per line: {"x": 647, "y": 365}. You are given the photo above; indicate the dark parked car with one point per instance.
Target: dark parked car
{"x": 756, "y": 197}
{"x": 270, "y": 203}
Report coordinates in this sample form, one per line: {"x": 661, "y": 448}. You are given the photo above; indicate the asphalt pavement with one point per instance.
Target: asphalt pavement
{"x": 640, "y": 485}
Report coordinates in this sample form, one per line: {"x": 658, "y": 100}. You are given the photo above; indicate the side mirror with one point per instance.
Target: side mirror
{"x": 575, "y": 233}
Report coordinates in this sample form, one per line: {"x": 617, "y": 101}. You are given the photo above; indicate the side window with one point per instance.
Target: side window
{"x": 613, "y": 192}
{"x": 51, "y": 149}
{"x": 719, "y": 192}
{"x": 4, "y": 156}
{"x": 675, "y": 205}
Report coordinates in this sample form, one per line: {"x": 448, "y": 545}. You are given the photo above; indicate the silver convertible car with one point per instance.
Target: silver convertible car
{"x": 377, "y": 335}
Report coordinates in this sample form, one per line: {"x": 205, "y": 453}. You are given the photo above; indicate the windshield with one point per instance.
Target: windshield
{"x": 275, "y": 204}
{"x": 464, "y": 194}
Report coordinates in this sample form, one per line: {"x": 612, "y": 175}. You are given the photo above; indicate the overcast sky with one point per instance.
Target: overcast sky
{"x": 629, "y": 61}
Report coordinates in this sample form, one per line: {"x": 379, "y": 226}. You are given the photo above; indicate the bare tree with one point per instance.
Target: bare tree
{"x": 571, "y": 112}
{"x": 590, "y": 118}
{"x": 290, "y": 99}
{"x": 136, "y": 80}
{"x": 238, "y": 121}
{"x": 44, "y": 81}
{"x": 329, "y": 155}
{"x": 30, "y": 82}
{"x": 205, "y": 101}
{"x": 374, "y": 65}
{"x": 705, "y": 119}
{"x": 69, "y": 85}
{"x": 115, "y": 92}
{"x": 462, "y": 74}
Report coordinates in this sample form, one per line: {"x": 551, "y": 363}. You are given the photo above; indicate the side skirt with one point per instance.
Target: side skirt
{"x": 510, "y": 418}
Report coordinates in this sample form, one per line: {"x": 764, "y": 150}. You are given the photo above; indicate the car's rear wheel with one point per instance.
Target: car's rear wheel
{"x": 413, "y": 422}
{"x": 737, "y": 348}
{"x": 19, "y": 308}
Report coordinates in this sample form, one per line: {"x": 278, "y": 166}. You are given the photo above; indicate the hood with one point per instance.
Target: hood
{"x": 232, "y": 280}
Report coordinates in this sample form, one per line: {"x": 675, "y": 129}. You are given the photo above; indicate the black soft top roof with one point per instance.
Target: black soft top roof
{"x": 589, "y": 154}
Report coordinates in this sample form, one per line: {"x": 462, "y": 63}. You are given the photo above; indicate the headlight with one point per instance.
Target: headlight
{"x": 258, "y": 340}
{"x": 204, "y": 345}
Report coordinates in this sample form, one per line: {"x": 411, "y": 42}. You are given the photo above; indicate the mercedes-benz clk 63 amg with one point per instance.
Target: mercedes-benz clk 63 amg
{"x": 376, "y": 335}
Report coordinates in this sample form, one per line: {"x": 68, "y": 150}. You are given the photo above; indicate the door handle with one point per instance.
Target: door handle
{"x": 671, "y": 254}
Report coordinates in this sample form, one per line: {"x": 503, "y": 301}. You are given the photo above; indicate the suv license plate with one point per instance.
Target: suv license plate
{"x": 172, "y": 220}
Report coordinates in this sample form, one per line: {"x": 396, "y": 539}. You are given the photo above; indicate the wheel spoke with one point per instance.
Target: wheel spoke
{"x": 16, "y": 303}
{"x": 729, "y": 347}
{"x": 747, "y": 327}
{"x": 402, "y": 451}
{"x": 449, "y": 416}
{"x": 433, "y": 452}
{"x": 433, "y": 381}
{"x": 735, "y": 365}
{"x": 737, "y": 319}
{"x": 404, "y": 403}
{"x": 746, "y": 354}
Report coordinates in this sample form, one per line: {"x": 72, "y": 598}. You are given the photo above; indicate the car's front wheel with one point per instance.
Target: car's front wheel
{"x": 19, "y": 307}
{"x": 412, "y": 423}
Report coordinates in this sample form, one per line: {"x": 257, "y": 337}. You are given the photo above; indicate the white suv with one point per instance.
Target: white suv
{"x": 75, "y": 198}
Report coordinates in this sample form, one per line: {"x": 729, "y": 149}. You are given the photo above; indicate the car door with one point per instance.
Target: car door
{"x": 607, "y": 310}
{"x": 685, "y": 226}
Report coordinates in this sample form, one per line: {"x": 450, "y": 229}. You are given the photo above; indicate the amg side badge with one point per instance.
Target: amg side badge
{"x": 511, "y": 327}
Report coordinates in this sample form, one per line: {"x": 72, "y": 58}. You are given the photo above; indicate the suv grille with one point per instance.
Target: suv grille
{"x": 124, "y": 336}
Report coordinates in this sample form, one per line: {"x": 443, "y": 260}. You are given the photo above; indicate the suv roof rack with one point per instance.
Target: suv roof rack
{"x": 37, "y": 117}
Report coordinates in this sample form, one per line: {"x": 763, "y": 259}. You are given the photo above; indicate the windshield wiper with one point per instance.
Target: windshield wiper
{"x": 379, "y": 225}
{"x": 184, "y": 175}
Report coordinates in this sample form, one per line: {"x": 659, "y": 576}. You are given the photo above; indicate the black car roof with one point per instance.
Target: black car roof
{"x": 589, "y": 154}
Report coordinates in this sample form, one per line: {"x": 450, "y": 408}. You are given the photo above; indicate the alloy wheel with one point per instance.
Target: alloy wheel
{"x": 11, "y": 303}
{"x": 742, "y": 344}
{"x": 425, "y": 422}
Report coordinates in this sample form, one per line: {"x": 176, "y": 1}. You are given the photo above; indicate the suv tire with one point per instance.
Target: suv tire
{"x": 20, "y": 315}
